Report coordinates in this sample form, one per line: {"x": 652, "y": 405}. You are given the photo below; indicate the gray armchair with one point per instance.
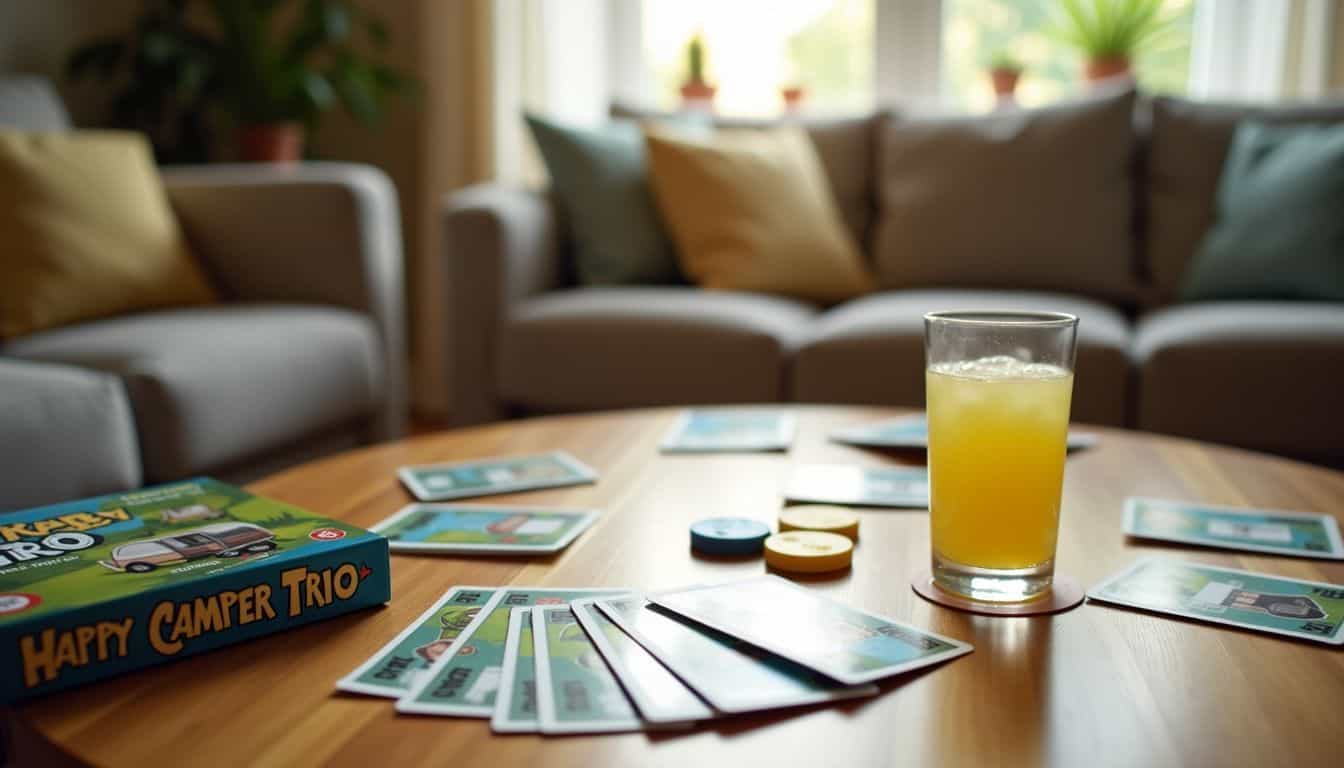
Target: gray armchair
{"x": 304, "y": 355}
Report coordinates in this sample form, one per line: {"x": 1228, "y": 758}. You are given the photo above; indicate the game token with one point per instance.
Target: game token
{"x": 728, "y": 536}
{"x": 820, "y": 517}
{"x": 808, "y": 551}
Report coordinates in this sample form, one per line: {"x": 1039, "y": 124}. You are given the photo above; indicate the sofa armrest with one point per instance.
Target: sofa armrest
{"x": 324, "y": 233}
{"x": 68, "y": 433}
{"x": 500, "y": 246}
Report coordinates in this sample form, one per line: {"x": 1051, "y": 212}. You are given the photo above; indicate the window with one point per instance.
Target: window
{"x": 975, "y": 30}
{"x": 755, "y": 48}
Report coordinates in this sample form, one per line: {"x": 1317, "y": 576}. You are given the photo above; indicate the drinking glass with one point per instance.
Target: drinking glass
{"x": 998, "y": 387}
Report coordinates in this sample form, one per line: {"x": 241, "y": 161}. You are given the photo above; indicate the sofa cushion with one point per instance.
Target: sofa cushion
{"x": 847, "y": 147}
{"x": 621, "y": 347}
{"x": 67, "y": 432}
{"x": 1025, "y": 200}
{"x": 215, "y": 386}
{"x": 1187, "y": 146}
{"x": 1259, "y": 374}
{"x": 871, "y": 351}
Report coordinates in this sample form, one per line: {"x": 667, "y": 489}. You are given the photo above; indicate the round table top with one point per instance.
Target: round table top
{"x": 1095, "y": 685}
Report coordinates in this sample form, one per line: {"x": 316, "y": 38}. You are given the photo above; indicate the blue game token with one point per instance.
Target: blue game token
{"x": 728, "y": 536}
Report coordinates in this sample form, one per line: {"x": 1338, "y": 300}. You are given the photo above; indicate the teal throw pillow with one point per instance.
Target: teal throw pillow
{"x": 1279, "y": 233}
{"x": 601, "y": 181}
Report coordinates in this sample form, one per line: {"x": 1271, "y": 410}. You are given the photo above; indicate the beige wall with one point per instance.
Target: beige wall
{"x": 1337, "y": 81}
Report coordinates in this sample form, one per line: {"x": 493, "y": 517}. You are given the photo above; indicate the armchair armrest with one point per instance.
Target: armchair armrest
{"x": 500, "y": 246}
{"x": 325, "y": 233}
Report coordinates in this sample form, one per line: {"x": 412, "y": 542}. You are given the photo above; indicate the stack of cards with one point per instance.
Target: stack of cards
{"x": 913, "y": 432}
{"x": 863, "y": 486}
{"x": 725, "y": 430}
{"x": 593, "y": 661}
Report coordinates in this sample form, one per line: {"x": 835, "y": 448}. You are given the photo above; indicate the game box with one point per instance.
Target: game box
{"x": 106, "y": 585}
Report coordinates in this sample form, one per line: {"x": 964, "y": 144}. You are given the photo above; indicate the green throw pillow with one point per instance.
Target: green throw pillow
{"x": 1280, "y": 227}
{"x": 601, "y": 180}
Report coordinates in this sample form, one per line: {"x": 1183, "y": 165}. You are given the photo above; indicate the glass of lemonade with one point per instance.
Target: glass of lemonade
{"x": 998, "y": 387}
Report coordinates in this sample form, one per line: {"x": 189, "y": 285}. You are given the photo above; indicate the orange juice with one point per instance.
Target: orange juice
{"x": 997, "y": 434}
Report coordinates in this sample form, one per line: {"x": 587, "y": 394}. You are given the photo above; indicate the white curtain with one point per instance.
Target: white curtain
{"x": 550, "y": 57}
{"x": 1262, "y": 50}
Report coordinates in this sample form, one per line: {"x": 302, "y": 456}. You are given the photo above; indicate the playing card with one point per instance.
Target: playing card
{"x": 400, "y": 664}
{"x": 516, "y": 702}
{"x": 707, "y": 430}
{"x": 913, "y": 432}
{"x": 867, "y": 486}
{"x": 1304, "y": 609}
{"x": 465, "y": 681}
{"x": 1304, "y": 534}
{"x": 801, "y": 625}
{"x": 576, "y": 692}
{"x": 657, "y": 693}
{"x": 482, "y": 530}
{"x": 732, "y": 676}
{"x": 502, "y": 475}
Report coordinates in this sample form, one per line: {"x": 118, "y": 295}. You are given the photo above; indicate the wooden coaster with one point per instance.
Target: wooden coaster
{"x": 1064, "y": 594}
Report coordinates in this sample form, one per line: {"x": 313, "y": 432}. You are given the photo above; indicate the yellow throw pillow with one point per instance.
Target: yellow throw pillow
{"x": 751, "y": 210}
{"x": 86, "y": 232}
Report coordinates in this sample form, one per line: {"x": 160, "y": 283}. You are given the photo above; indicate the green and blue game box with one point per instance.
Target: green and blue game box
{"x": 106, "y": 585}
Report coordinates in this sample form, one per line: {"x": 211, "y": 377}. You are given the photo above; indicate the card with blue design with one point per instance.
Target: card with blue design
{"x": 440, "y": 482}
{"x": 482, "y": 530}
{"x": 1307, "y": 610}
{"x": 862, "y": 486}
{"x": 729, "y": 430}
{"x": 1301, "y": 534}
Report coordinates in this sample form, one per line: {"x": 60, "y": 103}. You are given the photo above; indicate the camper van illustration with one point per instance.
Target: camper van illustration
{"x": 218, "y": 540}
{"x": 1218, "y": 597}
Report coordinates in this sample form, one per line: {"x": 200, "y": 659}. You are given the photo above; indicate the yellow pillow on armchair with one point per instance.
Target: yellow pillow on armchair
{"x": 86, "y": 232}
{"x": 751, "y": 210}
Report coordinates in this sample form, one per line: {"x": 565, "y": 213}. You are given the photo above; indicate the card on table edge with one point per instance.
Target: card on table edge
{"x": 673, "y": 440}
{"x": 588, "y": 517}
{"x": 588, "y": 615}
{"x": 350, "y": 682}
{"x": 408, "y": 703}
{"x": 784, "y": 650}
{"x": 545, "y": 701}
{"x": 687, "y": 676}
{"x": 1095, "y": 593}
{"x": 501, "y": 720}
{"x": 862, "y": 435}
{"x": 583, "y": 474}
{"x": 1129, "y": 526}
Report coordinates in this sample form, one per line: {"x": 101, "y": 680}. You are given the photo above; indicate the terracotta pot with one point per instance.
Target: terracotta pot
{"x": 1106, "y": 67}
{"x": 793, "y": 95}
{"x": 1005, "y": 80}
{"x": 698, "y": 91}
{"x": 270, "y": 143}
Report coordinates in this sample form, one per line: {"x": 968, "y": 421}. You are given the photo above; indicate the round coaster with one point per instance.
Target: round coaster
{"x": 1064, "y": 594}
{"x": 808, "y": 551}
{"x": 728, "y": 536}
{"x": 820, "y": 517}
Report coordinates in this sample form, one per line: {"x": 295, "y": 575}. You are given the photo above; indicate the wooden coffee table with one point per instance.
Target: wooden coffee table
{"x": 1094, "y": 686}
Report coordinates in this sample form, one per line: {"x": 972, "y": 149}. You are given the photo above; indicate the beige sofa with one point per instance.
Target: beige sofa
{"x": 305, "y": 355}
{"x": 1259, "y": 374}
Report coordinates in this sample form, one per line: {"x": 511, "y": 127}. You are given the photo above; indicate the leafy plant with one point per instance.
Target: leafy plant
{"x": 259, "y": 61}
{"x": 1104, "y": 29}
{"x": 1004, "y": 61}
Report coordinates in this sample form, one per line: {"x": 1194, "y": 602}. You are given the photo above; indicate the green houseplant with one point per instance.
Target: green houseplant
{"x": 274, "y": 67}
{"x": 1004, "y": 72}
{"x": 696, "y": 89}
{"x": 1109, "y": 33}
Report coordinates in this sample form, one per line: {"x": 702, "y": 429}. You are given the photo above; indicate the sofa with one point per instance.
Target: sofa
{"x": 303, "y": 355}
{"x": 1263, "y": 375}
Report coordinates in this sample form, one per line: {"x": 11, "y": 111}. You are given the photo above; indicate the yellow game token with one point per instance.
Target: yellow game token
{"x": 820, "y": 517}
{"x": 808, "y": 551}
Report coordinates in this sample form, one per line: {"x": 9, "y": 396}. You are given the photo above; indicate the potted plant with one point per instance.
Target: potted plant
{"x": 273, "y": 66}
{"x": 1109, "y": 33}
{"x": 1004, "y": 71}
{"x": 696, "y": 91}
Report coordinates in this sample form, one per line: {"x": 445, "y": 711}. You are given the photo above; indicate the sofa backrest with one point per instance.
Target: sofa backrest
{"x": 30, "y": 103}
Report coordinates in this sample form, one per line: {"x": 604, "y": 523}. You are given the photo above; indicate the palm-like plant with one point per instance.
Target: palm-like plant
{"x": 1109, "y": 33}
